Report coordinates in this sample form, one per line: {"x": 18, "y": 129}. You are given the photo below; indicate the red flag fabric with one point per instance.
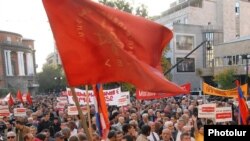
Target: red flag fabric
{"x": 11, "y": 101}
{"x": 8, "y": 98}
{"x": 19, "y": 96}
{"x": 99, "y": 44}
{"x": 143, "y": 95}
{"x": 243, "y": 109}
{"x": 102, "y": 120}
{"x": 28, "y": 97}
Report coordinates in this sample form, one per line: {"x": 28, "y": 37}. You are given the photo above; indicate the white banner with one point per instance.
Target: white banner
{"x": 72, "y": 110}
{"x": 19, "y": 112}
{"x": 206, "y": 111}
{"x": 110, "y": 96}
{"x": 62, "y": 99}
{"x": 4, "y": 111}
{"x": 122, "y": 100}
{"x": 60, "y": 105}
{"x": 223, "y": 114}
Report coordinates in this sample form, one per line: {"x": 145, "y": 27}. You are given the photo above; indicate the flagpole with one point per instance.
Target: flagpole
{"x": 83, "y": 119}
{"x": 88, "y": 111}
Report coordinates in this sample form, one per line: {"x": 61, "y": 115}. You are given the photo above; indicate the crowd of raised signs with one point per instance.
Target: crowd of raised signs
{"x": 49, "y": 118}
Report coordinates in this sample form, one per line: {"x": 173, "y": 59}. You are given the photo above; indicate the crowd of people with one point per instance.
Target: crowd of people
{"x": 169, "y": 119}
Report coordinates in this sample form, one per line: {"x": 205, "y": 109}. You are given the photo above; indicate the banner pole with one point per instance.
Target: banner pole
{"x": 83, "y": 119}
{"x": 88, "y": 111}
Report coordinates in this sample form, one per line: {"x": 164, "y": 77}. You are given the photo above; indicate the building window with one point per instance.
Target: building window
{"x": 237, "y": 8}
{"x": 8, "y": 39}
{"x": 184, "y": 42}
{"x": 209, "y": 49}
{"x": 187, "y": 65}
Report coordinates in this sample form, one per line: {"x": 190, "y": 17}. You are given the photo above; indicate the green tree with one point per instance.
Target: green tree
{"x": 124, "y": 5}
{"x": 225, "y": 79}
{"x": 51, "y": 79}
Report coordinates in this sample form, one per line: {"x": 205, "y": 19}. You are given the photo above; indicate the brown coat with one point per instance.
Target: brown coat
{"x": 22, "y": 132}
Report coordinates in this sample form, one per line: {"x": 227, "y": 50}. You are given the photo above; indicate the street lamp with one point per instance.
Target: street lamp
{"x": 246, "y": 57}
{"x": 59, "y": 79}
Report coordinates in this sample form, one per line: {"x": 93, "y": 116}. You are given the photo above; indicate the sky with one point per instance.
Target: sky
{"x": 28, "y": 18}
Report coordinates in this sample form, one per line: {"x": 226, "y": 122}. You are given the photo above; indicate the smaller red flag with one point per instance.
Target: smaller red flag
{"x": 11, "y": 101}
{"x": 19, "y": 96}
{"x": 29, "y": 99}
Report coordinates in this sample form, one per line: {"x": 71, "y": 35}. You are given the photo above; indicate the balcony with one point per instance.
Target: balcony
{"x": 13, "y": 44}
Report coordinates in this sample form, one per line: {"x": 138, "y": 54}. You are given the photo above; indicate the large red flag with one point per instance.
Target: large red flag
{"x": 99, "y": 44}
{"x": 28, "y": 97}
{"x": 19, "y": 96}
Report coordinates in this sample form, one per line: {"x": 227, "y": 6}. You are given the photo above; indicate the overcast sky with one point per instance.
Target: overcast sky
{"x": 28, "y": 18}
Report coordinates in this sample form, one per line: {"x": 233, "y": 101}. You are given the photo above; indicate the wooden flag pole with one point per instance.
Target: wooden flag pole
{"x": 88, "y": 111}
{"x": 83, "y": 119}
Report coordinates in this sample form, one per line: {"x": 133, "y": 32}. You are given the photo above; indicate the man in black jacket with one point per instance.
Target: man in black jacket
{"x": 45, "y": 124}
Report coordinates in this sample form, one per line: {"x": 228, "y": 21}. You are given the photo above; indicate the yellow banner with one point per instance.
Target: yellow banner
{"x": 209, "y": 90}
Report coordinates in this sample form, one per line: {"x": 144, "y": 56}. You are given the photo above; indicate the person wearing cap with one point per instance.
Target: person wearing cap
{"x": 59, "y": 136}
{"x": 11, "y": 136}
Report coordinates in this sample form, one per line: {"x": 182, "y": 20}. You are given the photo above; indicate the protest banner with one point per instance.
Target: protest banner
{"x": 72, "y": 110}
{"x": 223, "y": 114}
{"x": 19, "y": 112}
{"x": 123, "y": 99}
{"x": 4, "y": 111}
{"x": 206, "y": 111}
{"x": 62, "y": 99}
{"x": 233, "y": 93}
{"x": 110, "y": 96}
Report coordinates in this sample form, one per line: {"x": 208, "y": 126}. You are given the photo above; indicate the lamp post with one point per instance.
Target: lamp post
{"x": 246, "y": 57}
{"x": 59, "y": 79}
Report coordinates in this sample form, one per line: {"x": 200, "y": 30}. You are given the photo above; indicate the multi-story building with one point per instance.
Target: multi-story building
{"x": 234, "y": 55}
{"x": 17, "y": 63}
{"x": 231, "y": 16}
{"x": 194, "y": 21}
{"x": 53, "y": 59}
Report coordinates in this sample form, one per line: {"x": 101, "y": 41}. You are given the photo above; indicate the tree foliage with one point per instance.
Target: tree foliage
{"x": 51, "y": 79}
{"x": 124, "y": 5}
{"x": 225, "y": 79}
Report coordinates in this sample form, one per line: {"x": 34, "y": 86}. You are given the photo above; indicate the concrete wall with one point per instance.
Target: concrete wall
{"x": 201, "y": 16}
{"x": 232, "y": 48}
{"x": 244, "y": 18}
{"x": 184, "y": 77}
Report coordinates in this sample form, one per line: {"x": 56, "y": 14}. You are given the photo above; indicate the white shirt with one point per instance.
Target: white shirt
{"x": 73, "y": 133}
{"x": 178, "y": 137}
{"x": 151, "y": 138}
